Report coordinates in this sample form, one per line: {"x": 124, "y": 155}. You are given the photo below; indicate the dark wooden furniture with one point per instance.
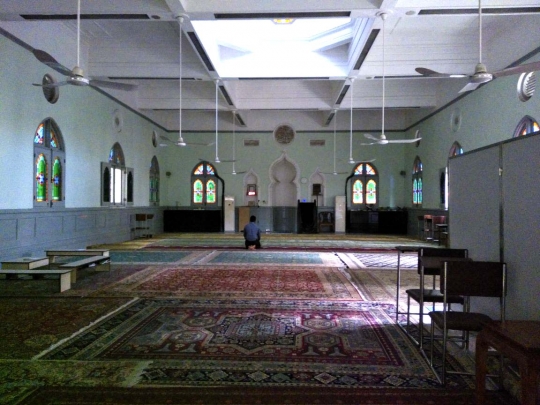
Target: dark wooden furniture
{"x": 519, "y": 340}
{"x": 385, "y": 222}
{"x": 195, "y": 220}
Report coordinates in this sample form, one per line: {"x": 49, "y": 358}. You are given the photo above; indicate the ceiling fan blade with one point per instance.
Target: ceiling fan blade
{"x": 112, "y": 85}
{"x": 200, "y": 144}
{"x": 404, "y": 140}
{"x": 528, "y": 67}
{"x": 48, "y": 60}
{"x": 469, "y": 87}
{"x": 50, "y": 85}
{"x": 430, "y": 73}
{"x": 369, "y": 136}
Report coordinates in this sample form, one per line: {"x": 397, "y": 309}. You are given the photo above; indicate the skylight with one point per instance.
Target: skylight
{"x": 310, "y": 47}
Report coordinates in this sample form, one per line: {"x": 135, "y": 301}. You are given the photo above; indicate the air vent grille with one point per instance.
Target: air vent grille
{"x": 526, "y": 86}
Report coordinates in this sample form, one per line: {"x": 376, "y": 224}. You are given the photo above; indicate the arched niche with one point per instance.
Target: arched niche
{"x": 284, "y": 189}
{"x": 251, "y": 179}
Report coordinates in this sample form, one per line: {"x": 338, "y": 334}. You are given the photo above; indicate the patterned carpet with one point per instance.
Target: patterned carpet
{"x": 233, "y": 281}
{"x": 257, "y": 343}
{"x": 196, "y": 319}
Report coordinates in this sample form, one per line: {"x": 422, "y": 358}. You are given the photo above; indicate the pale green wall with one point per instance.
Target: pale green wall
{"x": 490, "y": 114}
{"x": 85, "y": 118}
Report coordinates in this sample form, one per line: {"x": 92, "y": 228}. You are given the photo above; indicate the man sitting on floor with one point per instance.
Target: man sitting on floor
{"x": 252, "y": 234}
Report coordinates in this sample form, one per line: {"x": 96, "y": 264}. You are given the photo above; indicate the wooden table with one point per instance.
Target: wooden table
{"x": 519, "y": 340}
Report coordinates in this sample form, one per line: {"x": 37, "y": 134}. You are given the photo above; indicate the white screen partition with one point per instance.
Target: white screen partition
{"x": 473, "y": 202}
{"x": 521, "y": 191}
{"x": 497, "y": 217}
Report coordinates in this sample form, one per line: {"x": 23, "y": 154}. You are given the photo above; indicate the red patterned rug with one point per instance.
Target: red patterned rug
{"x": 246, "y": 281}
{"x": 258, "y": 343}
{"x": 256, "y": 396}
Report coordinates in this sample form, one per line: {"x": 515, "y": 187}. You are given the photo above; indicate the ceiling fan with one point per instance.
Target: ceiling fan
{"x": 481, "y": 75}
{"x": 76, "y": 75}
{"x": 180, "y": 141}
{"x": 382, "y": 140}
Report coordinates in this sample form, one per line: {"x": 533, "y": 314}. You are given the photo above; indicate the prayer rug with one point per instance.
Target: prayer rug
{"x": 154, "y": 257}
{"x": 271, "y": 258}
{"x": 247, "y": 281}
{"x": 30, "y": 325}
{"x": 258, "y": 396}
{"x": 259, "y": 343}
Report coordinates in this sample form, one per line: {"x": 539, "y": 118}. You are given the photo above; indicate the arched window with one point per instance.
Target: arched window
{"x": 154, "y": 182}
{"x": 204, "y": 185}
{"x": 417, "y": 186}
{"x": 526, "y": 126}
{"x": 364, "y": 186}
{"x": 116, "y": 179}
{"x": 455, "y": 150}
{"x": 49, "y": 163}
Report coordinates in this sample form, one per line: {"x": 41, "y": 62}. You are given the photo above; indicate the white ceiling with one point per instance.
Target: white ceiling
{"x": 144, "y": 49}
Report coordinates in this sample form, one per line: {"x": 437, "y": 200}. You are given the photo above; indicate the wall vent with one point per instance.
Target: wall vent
{"x": 251, "y": 142}
{"x": 317, "y": 142}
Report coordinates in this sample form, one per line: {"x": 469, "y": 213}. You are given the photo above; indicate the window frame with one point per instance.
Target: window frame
{"x": 205, "y": 175}
{"x": 117, "y": 180}
{"x": 52, "y": 149}
{"x": 364, "y": 174}
{"x": 417, "y": 183}
{"x": 526, "y": 126}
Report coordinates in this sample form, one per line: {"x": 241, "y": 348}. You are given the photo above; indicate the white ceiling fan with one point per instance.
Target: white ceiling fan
{"x": 76, "y": 76}
{"x": 180, "y": 141}
{"x": 481, "y": 75}
{"x": 382, "y": 140}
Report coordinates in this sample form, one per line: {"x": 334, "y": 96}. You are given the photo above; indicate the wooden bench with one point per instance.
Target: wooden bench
{"x": 65, "y": 278}
{"x": 52, "y": 254}
{"x": 103, "y": 261}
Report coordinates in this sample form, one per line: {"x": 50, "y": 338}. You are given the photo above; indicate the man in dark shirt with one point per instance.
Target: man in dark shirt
{"x": 252, "y": 234}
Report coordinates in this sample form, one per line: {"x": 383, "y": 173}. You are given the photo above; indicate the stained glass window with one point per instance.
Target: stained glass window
{"x": 417, "y": 191}
{"x": 526, "y": 126}
{"x": 116, "y": 155}
{"x": 211, "y": 192}
{"x": 204, "y": 185}
{"x": 49, "y": 162}
{"x": 371, "y": 192}
{"x": 39, "y": 138}
{"x": 41, "y": 178}
{"x": 198, "y": 192}
{"x": 456, "y": 149}
{"x": 57, "y": 180}
{"x": 364, "y": 186}
{"x": 358, "y": 192}
{"x": 199, "y": 170}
